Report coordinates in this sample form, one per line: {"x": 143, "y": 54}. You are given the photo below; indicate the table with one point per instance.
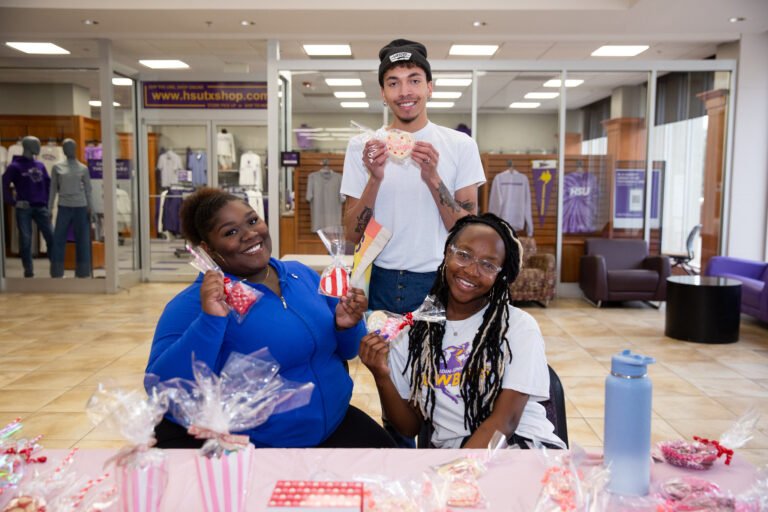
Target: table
{"x": 512, "y": 484}
{"x": 703, "y": 309}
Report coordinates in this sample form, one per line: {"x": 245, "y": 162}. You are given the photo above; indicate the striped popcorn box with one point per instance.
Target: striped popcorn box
{"x": 334, "y": 282}
{"x": 224, "y": 481}
{"x": 141, "y": 488}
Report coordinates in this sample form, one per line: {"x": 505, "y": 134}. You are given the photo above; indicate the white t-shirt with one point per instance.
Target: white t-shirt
{"x": 404, "y": 204}
{"x": 527, "y": 373}
{"x": 250, "y": 170}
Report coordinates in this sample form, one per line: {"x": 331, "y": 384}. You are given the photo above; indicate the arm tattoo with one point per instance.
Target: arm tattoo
{"x": 446, "y": 199}
{"x": 362, "y": 219}
{"x": 469, "y": 206}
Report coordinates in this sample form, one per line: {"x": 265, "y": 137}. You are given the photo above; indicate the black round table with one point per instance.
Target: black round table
{"x": 703, "y": 309}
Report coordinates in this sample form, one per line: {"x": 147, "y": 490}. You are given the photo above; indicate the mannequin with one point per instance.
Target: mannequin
{"x": 29, "y": 196}
{"x": 71, "y": 181}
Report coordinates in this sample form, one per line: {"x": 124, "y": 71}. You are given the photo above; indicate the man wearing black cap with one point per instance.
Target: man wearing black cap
{"x": 418, "y": 199}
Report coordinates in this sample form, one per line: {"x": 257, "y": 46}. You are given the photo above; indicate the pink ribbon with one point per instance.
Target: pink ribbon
{"x": 230, "y": 442}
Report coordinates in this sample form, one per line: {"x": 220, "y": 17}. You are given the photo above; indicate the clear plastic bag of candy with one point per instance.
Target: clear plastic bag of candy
{"x": 240, "y": 297}
{"x": 701, "y": 453}
{"x": 424, "y": 493}
{"x": 572, "y": 481}
{"x": 16, "y": 455}
{"x": 390, "y": 324}
{"x": 399, "y": 143}
{"x": 334, "y": 281}
{"x": 140, "y": 470}
{"x": 247, "y": 391}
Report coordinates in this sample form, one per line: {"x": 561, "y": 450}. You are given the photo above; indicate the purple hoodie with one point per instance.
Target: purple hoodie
{"x": 30, "y": 180}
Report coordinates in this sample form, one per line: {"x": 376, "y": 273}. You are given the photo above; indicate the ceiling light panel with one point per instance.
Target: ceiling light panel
{"x": 38, "y": 48}
{"x": 164, "y": 64}
{"x": 440, "y": 104}
{"x": 446, "y": 95}
{"x": 344, "y": 82}
{"x": 350, "y": 94}
{"x": 619, "y": 50}
{"x": 453, "y": 82}
{"x": 525, "y": 104}
{"x": 568, "y": 83}
{"x": 475, "y": 50}
{"x": 122, "y": 81}
{"x": 97, "y": 103}
{"x": 328, "y": 50}
{"x": 541, "y": 95}
{"x": 354, "y": 104}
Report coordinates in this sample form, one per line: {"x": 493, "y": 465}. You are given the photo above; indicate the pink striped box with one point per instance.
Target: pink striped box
{"x": 141, "y": 489}
{"x": 223, "y": 482}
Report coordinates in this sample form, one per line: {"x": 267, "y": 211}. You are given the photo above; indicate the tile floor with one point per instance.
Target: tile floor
{"x": 54, "y": 349}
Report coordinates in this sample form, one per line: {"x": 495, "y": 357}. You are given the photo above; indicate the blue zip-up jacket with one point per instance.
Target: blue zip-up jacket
{"x": 299, "y": 329}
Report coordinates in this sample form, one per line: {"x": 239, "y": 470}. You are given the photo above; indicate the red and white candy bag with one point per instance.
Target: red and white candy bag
{"x": 240, "y": 297}
{"x": 334, "y": 281}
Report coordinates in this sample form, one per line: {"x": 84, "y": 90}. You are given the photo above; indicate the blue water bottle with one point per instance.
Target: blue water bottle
{"x": 627, "y": 436}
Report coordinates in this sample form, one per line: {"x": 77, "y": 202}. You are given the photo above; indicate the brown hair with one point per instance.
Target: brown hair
{"x": 198, "y": 213}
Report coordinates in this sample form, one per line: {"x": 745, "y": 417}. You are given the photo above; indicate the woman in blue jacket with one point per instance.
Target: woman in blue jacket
{"x": 310, "y": 335}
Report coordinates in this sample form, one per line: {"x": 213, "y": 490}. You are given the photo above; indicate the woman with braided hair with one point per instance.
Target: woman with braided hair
{"x": 485, "y": 369}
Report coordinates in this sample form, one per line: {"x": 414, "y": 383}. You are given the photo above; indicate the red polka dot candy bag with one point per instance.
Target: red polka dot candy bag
{"x": 240, "y": 297}
{"x": 334, "y": 281}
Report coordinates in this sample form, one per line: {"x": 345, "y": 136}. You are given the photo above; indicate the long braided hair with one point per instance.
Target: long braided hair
{"x": 483, "y": 371}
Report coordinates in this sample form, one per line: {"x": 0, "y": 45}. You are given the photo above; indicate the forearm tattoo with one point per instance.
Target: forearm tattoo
{"x": 362, "y": 219}
{"x": 468, "y": 206}
{"x": 446, "y": 199}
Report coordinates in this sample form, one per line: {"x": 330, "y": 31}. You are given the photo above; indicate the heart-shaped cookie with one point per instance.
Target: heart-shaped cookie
{"x": 399, "y": 144}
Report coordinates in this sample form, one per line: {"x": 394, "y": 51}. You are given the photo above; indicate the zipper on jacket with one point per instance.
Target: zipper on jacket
{"x": 285, "y": 304}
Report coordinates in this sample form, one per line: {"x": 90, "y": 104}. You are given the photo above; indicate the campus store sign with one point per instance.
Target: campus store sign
{"x": 206, "y": 95}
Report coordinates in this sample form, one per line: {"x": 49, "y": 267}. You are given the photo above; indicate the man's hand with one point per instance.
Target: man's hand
{"x": 375, "y": 158}
{"x": 426, "y": 157}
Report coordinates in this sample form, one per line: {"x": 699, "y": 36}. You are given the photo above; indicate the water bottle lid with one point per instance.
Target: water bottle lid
{"x": 631, "y": 365}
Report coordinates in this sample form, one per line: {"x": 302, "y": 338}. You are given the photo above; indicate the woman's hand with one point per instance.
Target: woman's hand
{"x": 212, "y": 294}
{"x": 350, "y": 308}
{"x": 374, "y": 353}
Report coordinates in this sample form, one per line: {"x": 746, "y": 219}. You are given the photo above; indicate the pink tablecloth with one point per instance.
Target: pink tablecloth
{"x": 511, "y": 485}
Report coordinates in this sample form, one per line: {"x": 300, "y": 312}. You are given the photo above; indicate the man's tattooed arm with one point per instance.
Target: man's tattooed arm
{"x": 446, "y": 199}
{"x": 362, "y": 219}
{"x": 469, "y": 206}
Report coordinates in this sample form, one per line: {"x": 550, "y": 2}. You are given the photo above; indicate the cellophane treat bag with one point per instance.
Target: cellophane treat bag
{"x": 334, "y": 281}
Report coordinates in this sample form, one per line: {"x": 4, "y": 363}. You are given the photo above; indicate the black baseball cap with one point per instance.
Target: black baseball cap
{"x": 401, "y": 51}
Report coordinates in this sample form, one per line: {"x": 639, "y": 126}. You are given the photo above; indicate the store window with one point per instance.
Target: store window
{"x": 49, "y": 132}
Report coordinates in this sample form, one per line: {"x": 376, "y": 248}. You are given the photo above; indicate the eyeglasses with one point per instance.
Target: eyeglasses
{"x": 465, "y": 258}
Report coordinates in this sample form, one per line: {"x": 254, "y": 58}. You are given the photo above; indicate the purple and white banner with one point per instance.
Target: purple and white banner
{"x": 544, "y": 186}
{"x": 580, "y": 201}
{"x": 206, "y": 95}
{"x": 122, "y": 169}
{"x": 629, "y": 198}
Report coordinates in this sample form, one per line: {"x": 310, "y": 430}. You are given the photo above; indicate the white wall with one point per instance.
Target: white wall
{"x": 44, "y": 100}
{"x": 748, "y": 198}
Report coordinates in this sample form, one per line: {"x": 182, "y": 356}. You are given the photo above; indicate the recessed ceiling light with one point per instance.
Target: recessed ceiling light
{"x": 349, "y": 94}
{"x": 344, "y": 82}
{"x": 479, "y": 23}
{"x": 619, "y": 50}
{"x": 90, "y": 22}
{"x": 524, "y": 104}
{"x": 247, "y": 23}
{"x": 97, "y": 103}
{"x": 328, "y": 50}
{"x": 484, "y": 50}
{"x": 307, "y": 130}
{"x": 568, "y": 83}
{"x": 122, "y": 81}
{"x": 354, "y": 104}
{"x": 453, "y": 82}
{"x": 736, "y": 19}
{"x": 440, "y": 104}
{"x": 446, "y": 95}
{"x": 164, "y": 64}
{"x": 39, "y": 48}
{"x": 541, "y": 95}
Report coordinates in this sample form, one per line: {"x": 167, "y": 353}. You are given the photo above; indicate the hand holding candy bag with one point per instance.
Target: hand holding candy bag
{"x": 389, "y": 324}
{"x": 142, "y": 471}
{"x": 247, "y": 391}
{"x": 334, "y": 281}
{"x": 240, "y": 297}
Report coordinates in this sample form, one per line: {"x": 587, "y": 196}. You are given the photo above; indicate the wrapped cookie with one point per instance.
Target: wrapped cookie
{"x": 390, "y": 324}
{"x": 334, "y": 281}
{"x": 399, "y": 143}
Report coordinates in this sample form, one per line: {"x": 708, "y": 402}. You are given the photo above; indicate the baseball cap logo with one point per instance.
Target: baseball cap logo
{"x": 400, "y": 56}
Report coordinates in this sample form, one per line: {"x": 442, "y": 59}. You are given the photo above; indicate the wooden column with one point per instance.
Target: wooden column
{"x": 573, "y": 143}
{"x": 716, "y": 103}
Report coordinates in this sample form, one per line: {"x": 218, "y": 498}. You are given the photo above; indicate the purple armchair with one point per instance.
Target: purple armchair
{"x": 616, "y": 270}
{"x": 754, "y": 282}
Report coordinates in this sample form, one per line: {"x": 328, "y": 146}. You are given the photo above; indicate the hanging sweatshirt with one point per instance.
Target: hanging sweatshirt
{"x": 299, "y": 330}
{"x": 510, "y": 199}
{"x": 30, "y": 181}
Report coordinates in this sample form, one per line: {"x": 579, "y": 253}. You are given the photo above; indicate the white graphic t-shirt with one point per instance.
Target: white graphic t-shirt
{"x": 527, "y": 373}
